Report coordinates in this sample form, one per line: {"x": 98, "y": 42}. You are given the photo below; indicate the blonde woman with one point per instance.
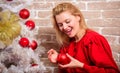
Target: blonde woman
{"x": 89, "y": 51}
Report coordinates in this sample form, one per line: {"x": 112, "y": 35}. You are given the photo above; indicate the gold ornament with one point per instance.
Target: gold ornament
{"x": 9, "y": 26}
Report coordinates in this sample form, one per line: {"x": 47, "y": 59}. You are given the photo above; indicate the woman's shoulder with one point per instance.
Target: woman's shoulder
{"x": 92, "y": 35}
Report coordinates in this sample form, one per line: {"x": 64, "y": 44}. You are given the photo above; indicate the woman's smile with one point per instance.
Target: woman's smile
{"x": 68, "y": 31}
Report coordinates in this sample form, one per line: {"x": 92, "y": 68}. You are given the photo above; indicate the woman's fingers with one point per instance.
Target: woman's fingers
{"x": 63, "y": 66}
{"x": 52, "y": 55}
{"x": 69, "y": 56}
{"x": 50, "y": 51}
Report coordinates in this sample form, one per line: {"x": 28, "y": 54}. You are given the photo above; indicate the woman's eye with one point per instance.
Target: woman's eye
{"x": 60, "y": 25}
{"x": 67, "y": 21}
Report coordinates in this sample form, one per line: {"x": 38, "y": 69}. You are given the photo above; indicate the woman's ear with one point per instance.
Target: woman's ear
{"x": 78, "y": 17}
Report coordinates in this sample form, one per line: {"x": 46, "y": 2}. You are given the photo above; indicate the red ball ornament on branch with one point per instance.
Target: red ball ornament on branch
{"x": 34, "y": 64}
{"x": 9, "y": 0}
{"x": 33, "y": 45}
{"x": 24, "y": 42}
{"x": 63, "y": 59}
{"x": 30, "y": 24}
{"x": 24, "y": 13}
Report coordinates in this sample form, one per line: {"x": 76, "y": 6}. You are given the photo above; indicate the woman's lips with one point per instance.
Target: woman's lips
{"x": 68, "y": 32}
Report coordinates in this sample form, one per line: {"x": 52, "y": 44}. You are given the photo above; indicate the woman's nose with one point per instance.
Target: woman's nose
{"x": 64, "y": 26}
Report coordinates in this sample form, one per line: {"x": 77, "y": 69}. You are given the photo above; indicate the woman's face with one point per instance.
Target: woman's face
{"x": 68, "y": 23}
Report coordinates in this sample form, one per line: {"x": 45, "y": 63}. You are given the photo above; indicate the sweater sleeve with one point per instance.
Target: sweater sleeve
{"x": 100, "y": 54}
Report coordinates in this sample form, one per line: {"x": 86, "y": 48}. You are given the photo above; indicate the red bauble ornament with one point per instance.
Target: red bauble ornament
{"x": 33, "y": 45}
{"x": 24, "y": 13}
{"x": 9, "y": 0}
{"x": 24, "y": 42}
{"x": 63, "y": 59}
{"x": 30, "y": 24}
{"x": 34, "y": 65}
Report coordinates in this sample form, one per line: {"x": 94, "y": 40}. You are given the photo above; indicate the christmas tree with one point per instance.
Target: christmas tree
{"x": 19, "y": 50}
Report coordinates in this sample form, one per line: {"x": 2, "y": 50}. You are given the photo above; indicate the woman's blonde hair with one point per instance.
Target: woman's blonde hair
{"x": 62, "y": 38}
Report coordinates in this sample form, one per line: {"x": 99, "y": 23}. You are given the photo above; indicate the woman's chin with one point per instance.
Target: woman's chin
{"x": 71, "y": 36}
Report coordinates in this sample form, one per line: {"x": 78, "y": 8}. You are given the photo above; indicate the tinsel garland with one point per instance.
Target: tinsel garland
{"x": 9, "y": 26}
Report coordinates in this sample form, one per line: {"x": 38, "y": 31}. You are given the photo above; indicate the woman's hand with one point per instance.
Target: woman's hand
{"x": 52, "y": 55}
{"x": 74, "y": 63}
